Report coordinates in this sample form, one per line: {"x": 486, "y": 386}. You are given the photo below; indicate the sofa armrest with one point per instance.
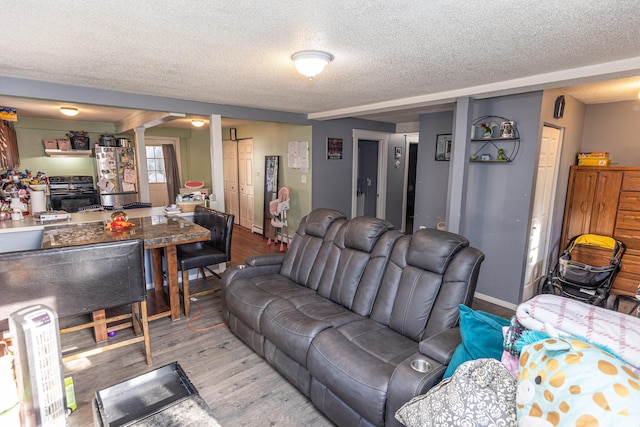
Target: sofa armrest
{"x": 414, "y": 376}
{"x": 441, "y": 347}
{"x": 268, "y": 259}
{"x": 243, "y": 271}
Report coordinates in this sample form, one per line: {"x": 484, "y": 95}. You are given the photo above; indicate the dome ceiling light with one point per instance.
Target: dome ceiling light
{"x": 310, "y": 63}
{"x": 197, "y": 123}
{"x": 69, "y": 111}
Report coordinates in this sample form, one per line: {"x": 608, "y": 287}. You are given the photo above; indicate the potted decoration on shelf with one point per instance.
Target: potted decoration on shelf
{"x": 487, "y": 128}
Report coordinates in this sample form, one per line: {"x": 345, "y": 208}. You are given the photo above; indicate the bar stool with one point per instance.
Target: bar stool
{"x": 201, "y": 255}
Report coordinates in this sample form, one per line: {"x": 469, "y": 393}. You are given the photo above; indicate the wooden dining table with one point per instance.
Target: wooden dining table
{"x": 160, "y": 233}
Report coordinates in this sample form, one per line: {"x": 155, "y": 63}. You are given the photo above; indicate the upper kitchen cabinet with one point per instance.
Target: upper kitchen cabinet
{"x": 9, "y": 157}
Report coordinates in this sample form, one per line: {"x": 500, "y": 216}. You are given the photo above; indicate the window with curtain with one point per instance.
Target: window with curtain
{"x": 155, "y": 165}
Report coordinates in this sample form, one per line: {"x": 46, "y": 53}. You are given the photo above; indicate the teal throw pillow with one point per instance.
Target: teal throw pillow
{"x": 481, "y": 334}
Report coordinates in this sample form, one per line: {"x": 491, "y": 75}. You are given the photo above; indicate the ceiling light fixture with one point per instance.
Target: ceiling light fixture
{"x": 197, "y": 123}
{"x": 310, "y": 63}
{"x": 69, "y": 111}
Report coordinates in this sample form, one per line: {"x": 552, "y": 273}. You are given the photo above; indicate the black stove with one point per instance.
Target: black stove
{"x": 71, "y": 192}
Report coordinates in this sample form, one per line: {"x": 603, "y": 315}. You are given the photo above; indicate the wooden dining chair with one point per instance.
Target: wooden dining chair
{"x": 202, "y": 255}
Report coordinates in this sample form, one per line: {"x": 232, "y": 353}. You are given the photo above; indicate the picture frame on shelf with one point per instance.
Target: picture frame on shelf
{"x": 443, "y": 147}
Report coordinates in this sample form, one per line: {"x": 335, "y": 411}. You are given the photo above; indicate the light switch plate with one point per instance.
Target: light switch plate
{"x": 303, "y": 178}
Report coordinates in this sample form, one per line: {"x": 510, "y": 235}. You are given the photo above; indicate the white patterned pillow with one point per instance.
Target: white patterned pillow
{"x": 480, "y": 392}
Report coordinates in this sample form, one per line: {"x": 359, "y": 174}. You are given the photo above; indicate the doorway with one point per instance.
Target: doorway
{"x": 238, "y": 180}
{"x": 539, "y": 235}
{"x": 367, "y": 177}
{"x": 374, "y": 183}
{"x": 410, "y": 186}
{"x": 158, "y": 194}
{"x": 230, "y": 176}
{"x": 245, "y": 181}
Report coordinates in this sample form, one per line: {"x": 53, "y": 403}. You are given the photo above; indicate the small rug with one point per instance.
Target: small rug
{"x": 191, "y": 412}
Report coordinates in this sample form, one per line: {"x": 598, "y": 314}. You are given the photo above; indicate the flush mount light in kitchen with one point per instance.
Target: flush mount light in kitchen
{"x": 197, "y": 123}
{"x": 69, "y": 111}
{"x": 310, "y": 63}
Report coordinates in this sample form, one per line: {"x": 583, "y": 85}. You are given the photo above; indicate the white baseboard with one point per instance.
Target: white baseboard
{"x": 495, "y": 301}
{"x": 256, "y": 229}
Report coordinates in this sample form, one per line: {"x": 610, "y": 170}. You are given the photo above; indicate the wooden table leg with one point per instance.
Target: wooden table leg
{"x": 100, "y": 331}
{"x": 156, "y": 261}
{"x": 172, "y": 278}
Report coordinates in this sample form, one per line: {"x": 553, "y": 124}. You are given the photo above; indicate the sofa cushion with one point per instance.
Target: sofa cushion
{"x": 355, "y": 361}
{"x": 292, "y": 324}
{"x": 481, "y": 334}
{"x": 418, "y": 302}
{"x": 433, "y": 249}
{"x": 351, "y": 276}
{"x": 248, "y": 298}
{"x": 309, "y": 250}
{"x": 363, "y": 232}
{"x": 319, "y": 220}
{"x": 480, "y": 393}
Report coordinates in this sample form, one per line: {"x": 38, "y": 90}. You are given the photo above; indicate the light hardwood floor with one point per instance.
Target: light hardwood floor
{"x": 239, "y": 386}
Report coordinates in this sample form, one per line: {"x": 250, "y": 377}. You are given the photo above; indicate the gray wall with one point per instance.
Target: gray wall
{"x": 432, "y": 177}
{"x": 395, "y": 180}
{"x": 499, "y": 200}
{"x": 614, "y": 127}
{"x": 332, "y": 178}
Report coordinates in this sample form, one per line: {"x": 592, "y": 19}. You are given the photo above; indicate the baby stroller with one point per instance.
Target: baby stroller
{"x": 278, "y": 211}
{"x": 581, "y": 281}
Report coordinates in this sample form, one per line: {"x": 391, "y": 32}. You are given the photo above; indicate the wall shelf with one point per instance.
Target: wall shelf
{"x": 495, "y": 146}
{"x": 489, "y": 161}
{"x": 50, "y": 152}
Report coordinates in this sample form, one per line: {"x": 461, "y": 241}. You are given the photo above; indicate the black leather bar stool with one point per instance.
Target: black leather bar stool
{"x": 201, "y": 255}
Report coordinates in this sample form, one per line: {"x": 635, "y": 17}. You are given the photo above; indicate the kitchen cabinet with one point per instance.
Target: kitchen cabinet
{"x": 606, "y": 201}
{"x": 9, "y": 156}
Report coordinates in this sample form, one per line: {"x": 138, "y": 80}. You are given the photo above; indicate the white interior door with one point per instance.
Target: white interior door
{"x": 158, "y": 193}
{"x": 245, "y": 178}
{"x": 230, "y": 172}
{"x": 542, "y": 209}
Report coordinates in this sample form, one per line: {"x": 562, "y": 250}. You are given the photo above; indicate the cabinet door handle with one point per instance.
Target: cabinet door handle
{"x": 600, "y": 207}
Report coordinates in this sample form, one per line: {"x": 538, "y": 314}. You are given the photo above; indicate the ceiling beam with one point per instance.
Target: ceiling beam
{"x": 587, "y": 74}
{"x": 145, "y": 119}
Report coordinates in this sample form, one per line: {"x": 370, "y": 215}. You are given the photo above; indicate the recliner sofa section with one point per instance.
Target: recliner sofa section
{"x": 359, "y": 317}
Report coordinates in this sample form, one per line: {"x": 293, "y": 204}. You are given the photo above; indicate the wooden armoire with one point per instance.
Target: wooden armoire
{"x": 606, "y": 201}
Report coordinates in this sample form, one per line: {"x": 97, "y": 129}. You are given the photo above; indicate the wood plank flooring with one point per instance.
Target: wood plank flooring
{"x": 239, "y": 386}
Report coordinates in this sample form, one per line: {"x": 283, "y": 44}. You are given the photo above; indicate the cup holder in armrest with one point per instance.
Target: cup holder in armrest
{"x": 241, "y": 266}
{"x": 420, "y": 365}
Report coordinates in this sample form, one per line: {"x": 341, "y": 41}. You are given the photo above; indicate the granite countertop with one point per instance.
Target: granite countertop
{"x": 155, "y": 230}
{"x": 30, "y": 224}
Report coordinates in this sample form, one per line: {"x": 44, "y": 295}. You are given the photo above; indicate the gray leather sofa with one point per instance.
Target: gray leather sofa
{"x": 359, "y": 317}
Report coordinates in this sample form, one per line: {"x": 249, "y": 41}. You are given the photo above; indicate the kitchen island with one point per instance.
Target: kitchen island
{"x": 159, "y": 231}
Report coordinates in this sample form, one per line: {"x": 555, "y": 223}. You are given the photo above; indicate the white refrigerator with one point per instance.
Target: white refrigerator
{"x": 117, "y": 175}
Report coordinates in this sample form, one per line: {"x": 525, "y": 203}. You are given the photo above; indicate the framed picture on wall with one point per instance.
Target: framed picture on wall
{"x": 443, "y": 147}
{"x": 334, "y": 148}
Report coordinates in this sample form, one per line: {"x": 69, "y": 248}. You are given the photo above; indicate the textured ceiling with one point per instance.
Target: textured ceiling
{"x": 389, "y": 56}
